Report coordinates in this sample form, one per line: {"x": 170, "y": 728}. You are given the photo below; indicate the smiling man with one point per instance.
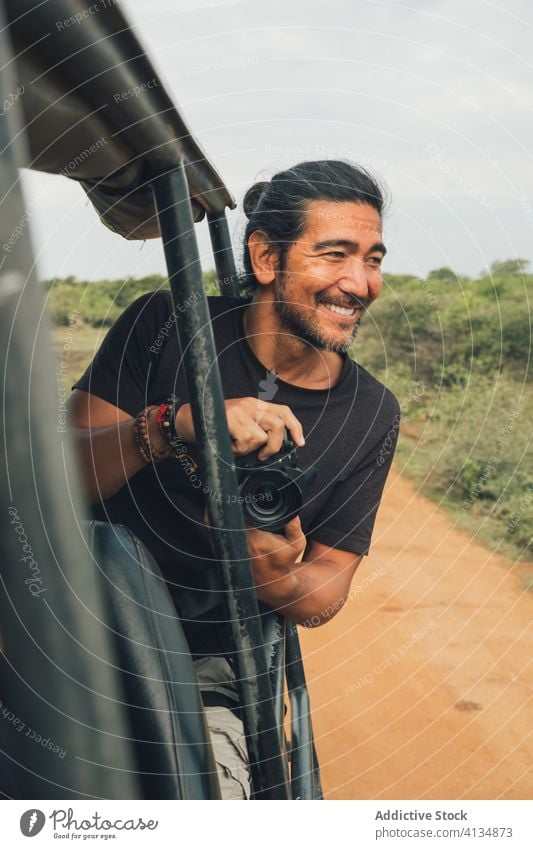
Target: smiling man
{"x": 313, "y": 248}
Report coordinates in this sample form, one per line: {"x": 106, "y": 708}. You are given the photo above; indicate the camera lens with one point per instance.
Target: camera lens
{"x": 269, "y": 499}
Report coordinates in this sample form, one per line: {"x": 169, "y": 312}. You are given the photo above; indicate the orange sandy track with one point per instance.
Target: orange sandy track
{"x": 422, "y": 686}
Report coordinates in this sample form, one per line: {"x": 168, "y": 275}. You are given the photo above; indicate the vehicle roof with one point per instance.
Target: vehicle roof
{"x": 97, "y": 111}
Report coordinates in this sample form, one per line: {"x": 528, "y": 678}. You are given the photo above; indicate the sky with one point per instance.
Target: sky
{"x": 434, "y": 97}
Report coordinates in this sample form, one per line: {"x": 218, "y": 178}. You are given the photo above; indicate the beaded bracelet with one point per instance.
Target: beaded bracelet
{"x": 142, "y": 438}
{"x": 166, "y": 419}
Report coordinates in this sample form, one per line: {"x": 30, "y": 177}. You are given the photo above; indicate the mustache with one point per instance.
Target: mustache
{"x": 348, "y": 301}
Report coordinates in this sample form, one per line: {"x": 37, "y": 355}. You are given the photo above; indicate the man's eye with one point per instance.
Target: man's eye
{"x": 336, "y": 254}
{"x": 375, "y": 261}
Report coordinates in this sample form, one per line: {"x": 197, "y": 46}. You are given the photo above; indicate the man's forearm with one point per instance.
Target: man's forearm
{"x": 109, "y": 458}
{"x": 310, "y": 595}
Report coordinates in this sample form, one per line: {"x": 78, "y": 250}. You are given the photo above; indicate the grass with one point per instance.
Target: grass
{"x": 75, "y": 346}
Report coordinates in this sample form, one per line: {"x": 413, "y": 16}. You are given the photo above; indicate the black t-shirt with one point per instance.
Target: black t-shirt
{"x": 350, "y": 432}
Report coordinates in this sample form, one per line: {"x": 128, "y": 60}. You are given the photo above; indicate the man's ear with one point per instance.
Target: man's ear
{"x": 264, "y": 258}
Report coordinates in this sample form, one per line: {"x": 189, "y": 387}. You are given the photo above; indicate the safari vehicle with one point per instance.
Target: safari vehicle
{"x": 98, "y": 693}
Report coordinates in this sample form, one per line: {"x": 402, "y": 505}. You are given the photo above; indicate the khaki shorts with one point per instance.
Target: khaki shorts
{"x": 229, "y": 747}
{"x": 214, "y": 674}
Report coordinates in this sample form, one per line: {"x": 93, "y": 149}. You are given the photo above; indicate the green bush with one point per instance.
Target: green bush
{"x": 467, "y": 439}
{"x": 99, "y": 303}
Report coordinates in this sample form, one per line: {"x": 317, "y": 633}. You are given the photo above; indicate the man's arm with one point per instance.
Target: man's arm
{"x": 310, "y": 592}
{"x": 109, "y": 454}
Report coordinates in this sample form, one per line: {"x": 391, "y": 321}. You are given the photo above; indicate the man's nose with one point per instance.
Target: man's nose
{"x": 354, "y": 280}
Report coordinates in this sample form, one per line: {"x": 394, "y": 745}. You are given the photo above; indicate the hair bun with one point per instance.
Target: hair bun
{"x": 253, "y": 196}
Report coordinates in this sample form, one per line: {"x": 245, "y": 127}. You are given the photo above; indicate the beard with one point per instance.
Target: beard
{"x": 304, "y": 323}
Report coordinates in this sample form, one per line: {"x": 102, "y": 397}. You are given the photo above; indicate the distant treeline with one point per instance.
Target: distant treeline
{"x": 445, "y": 328}
{"x": 437, "y": 328}
{"x": 99, "y": 303}
{"x": 450, "y": 332}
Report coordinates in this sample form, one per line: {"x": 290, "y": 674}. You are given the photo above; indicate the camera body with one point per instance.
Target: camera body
{"x": 272, "y": 491}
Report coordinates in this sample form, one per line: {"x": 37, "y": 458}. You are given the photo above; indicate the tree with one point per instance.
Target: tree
{"x": 509, "y": 266}
{"x": 445, "y": 274}
{"x": 210, "y": 283}
{"x": 398, "y": 279}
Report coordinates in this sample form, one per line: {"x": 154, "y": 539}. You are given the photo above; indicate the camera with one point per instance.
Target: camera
{"x": 272, "y": 491}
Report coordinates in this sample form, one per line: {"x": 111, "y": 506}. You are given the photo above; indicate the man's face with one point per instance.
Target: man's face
{"x": 331, "y": 274}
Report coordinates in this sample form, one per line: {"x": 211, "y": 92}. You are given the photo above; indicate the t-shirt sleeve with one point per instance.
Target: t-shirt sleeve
{"x": 121, "y": 371}
{"x": 348, "y": 518}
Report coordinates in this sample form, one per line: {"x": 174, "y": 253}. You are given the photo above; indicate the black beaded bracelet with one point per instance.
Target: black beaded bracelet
{"x": 166, "y": 418}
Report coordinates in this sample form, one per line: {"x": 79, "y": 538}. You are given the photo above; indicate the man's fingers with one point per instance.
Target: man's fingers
{"x": 246, "y": 434}
{"x": 292, "y": 424}
{"x": 267, "y": 409}
{"x": 274, "y": 422}
{"x": 254, "y": 423}
{"x": 274, "y": 428}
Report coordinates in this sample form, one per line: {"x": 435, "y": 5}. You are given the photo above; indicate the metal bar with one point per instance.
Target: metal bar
{"x": 59, "y": 670}
{"x": 150, "y": 125}
{"x": 317, "y": 785}
{"x": 305, "y": 772}
{"x": 274, "y": 632}
{"x": 274, "y": 629}
{"x": 196, "y": 343}
{"x": 223, "y": 253}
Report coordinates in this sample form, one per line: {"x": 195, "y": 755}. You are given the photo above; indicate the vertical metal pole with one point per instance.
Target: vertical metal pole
{"x": 195, "y": 339}
{"x": 223, "y": 253}
{"x": 305, "y": 772}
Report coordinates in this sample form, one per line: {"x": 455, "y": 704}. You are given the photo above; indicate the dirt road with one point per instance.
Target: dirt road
{"x": 422, "y": 686}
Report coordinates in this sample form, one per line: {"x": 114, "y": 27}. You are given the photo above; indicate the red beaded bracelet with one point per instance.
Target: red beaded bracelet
{"x": 166, "y": 419}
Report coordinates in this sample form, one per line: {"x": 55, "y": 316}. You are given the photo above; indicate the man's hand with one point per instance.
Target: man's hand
{"x": 274, "y": 558}
{"x": 252, "y": 423}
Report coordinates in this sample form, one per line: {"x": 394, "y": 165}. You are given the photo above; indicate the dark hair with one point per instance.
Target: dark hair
{"x": 277, "y": 207}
